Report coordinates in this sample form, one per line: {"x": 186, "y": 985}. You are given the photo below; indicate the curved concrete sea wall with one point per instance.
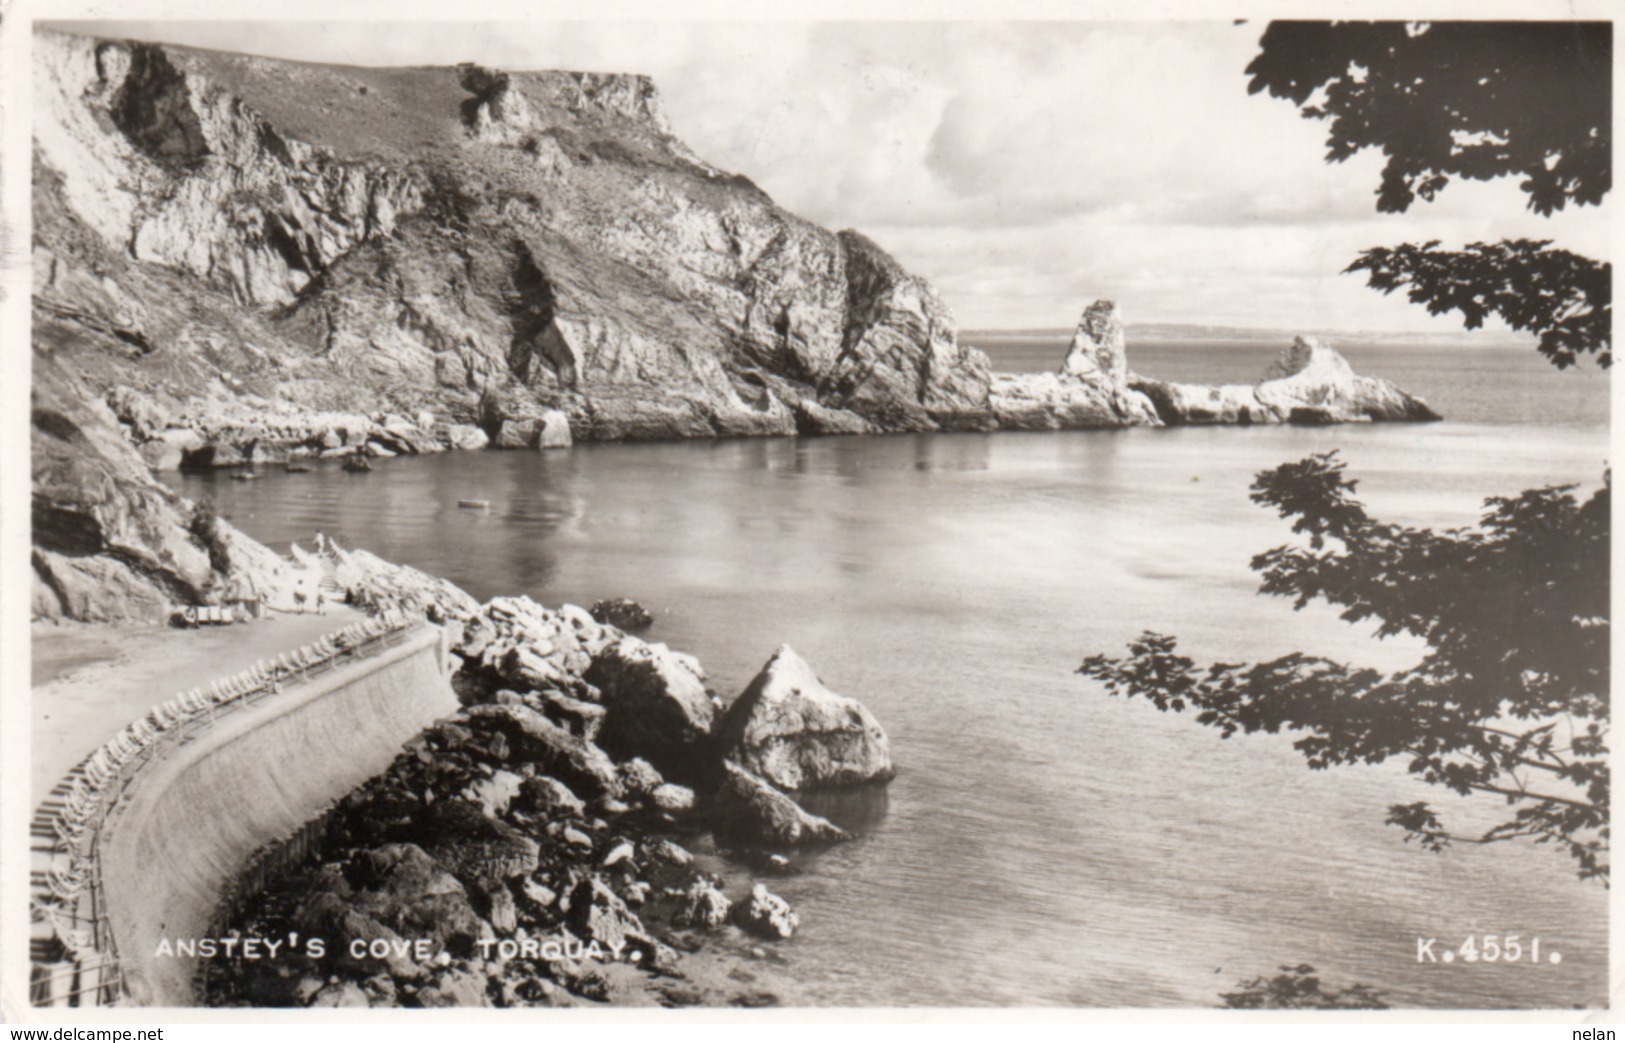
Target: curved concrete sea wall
{"x": 194, "y": 819}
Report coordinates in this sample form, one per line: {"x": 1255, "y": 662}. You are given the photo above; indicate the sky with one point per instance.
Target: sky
{"x": 1025, "y": 168}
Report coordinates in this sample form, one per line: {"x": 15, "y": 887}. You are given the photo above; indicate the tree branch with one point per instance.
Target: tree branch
{"x": 1523, "y": 794}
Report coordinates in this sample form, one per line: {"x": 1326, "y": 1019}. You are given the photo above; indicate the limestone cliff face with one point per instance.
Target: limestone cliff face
{"x": 428, "y": 239}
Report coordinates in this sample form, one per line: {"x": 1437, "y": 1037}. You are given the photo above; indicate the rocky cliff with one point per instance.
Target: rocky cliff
{"x": 459, "y": 242}
{"x": 110, "y": 543}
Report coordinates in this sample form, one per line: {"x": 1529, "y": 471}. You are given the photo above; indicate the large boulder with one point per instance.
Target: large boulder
{"x": 463, "y": 436}
{"x": 517, "y": 434}
{"x": 655, "y": 701}
{"x": 493, "y": 793}
{"x": 672, "y": 799}
{"x": 797, "y": 734}
{"x": 461, "y": 837}
{"x": 553, "y": 431}
{"x": 621, "y": 612}
{"x": 398, "y": 435}
{"x": 766, "y": 915}
{"x": 639, "y": 777}
{"x": 703, "y": 905}
{"x": 748, "y": 809}
{"x": 524, "y": 668}
{"x": 548, "y": 795}
{"x": 597, "y": 914}
{"x": 573, "y": 760}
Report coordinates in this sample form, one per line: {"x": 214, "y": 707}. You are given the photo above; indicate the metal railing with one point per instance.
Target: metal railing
{"x": 68, "y": 904}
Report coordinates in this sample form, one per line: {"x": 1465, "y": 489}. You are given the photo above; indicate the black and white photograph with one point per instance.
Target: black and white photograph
{"x": 811, "y": 511}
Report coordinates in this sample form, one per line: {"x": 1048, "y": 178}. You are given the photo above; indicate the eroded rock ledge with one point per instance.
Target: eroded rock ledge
{"x": 1310, "y": 383}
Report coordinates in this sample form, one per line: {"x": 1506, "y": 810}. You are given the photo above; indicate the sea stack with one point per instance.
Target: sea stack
{"x": 1089, "y": 391}
{"x": 1098, "y": 350}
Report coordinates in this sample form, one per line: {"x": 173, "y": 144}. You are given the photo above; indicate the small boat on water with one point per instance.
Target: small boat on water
{"x": 475, "y": 505}
{"x": 358, "y": 464}
{"x": 299, "y": 468}
{"x": 243, "y": 476}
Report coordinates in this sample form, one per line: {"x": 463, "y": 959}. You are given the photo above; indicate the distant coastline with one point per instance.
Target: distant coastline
{"x": 1168, "y": 331}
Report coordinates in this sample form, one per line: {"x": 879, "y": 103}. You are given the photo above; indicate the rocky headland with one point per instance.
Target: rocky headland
{"x": 245, "y": 262}
{"x": 1310, "y": 383}
{"x": 560, "y": 839}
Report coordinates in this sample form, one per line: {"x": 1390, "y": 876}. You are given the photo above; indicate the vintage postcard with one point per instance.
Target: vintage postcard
{"x": 625, "y": 510}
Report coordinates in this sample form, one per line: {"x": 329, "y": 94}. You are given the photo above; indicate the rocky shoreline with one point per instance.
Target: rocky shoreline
{"x": 549, "y": 844}
{"x": 1310, "y": 383}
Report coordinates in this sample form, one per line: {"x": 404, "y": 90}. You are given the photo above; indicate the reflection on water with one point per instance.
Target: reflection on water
{"x": 1043, "y": 843}
{"x": 859, "y": 810}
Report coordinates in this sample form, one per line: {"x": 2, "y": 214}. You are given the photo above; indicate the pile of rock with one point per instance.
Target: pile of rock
{"x": 235, "y": 431}
{"x": 529, "y": 844}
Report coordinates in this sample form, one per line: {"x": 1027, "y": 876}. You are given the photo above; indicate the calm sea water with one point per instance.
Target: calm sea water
{"x": 1043, "y": 843}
